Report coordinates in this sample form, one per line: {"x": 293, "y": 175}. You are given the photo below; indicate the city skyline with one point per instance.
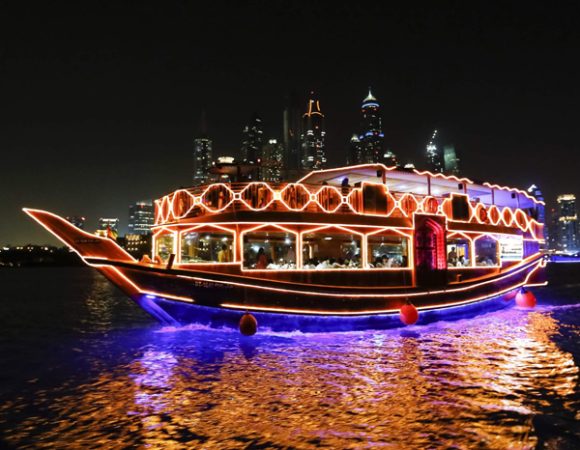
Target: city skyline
{"x": 94, "y": 123}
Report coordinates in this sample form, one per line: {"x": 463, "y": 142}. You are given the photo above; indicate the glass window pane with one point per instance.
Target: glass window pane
{"x": 331, "y": 250}
{"x": 204, "y": 247}
{"x": 164, "y": 245}
{"x": 388, "y": 251}
{"x": 511, "y": 248}
{"x": 486, "y": 251}
{"x": 269, "y": 250}
{"x": 458, "y": 252}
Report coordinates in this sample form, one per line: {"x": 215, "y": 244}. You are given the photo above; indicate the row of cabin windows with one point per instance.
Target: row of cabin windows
{"x": 330, "y": 250}
{"x": 488, "y": 251}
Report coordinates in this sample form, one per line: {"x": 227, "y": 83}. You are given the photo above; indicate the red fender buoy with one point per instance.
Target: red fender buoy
{"x": 248, "y": 325}
{"x": 525, "y": 299}
{"x": 409, "y": 314}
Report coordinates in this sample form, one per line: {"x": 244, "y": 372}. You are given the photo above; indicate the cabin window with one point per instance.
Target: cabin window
{"x": 486, "y": 251}
{"x": 331, "y": 250}
{"x": 269, "y": 250}
{"x": 388, "y": 250}
{"x": 511, "y": 248}
{"x": 164, "y": 245}
{"x": 458, "y": 252}
{"x": 206, "y": 247}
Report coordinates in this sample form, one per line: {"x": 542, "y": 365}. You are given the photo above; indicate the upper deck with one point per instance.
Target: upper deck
{"x": 362, "y": 193}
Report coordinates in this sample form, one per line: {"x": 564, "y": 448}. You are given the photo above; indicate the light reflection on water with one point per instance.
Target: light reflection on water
{"x": 504, "y": 380}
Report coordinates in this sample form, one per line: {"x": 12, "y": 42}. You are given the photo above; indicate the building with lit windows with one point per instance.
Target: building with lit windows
{"x": 77, "y": 221}
{"x": 312, "y": 138}
{"x": 355, "y": 150}
{"x": 253, "y": 140}
{"x": 389, "y": 159}
{"x": 292, "y": 130}
{"x": 371, "y": 135}
{"x": 535, "y": 192}
{"x": 202, "y": 155}
{"x": 272, "y": 161}
{"x": 141, "y": 217}
{"x": 450, "y": 160}
{"x": 137, "y": 245}
{"x": 567, "y": 224}
{"x": 435, "y": 161}
{"x": 366, "y": 146}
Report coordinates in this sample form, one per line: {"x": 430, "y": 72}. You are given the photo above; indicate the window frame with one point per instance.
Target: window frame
{"x": 199, "y": 228}
{"x": 471, "y": 240}
{"x": 392, "y": 231}
{"x": 498, "y": 263}
{"x": 280, "y": 229}
{"x": 345, "y": 231}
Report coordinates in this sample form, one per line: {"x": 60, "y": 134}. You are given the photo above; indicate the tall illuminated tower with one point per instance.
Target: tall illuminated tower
{"x": 312, "y": 138}
{"x": 567, "y": 231}
{"x": 292, "y": 130}
{"x": 253, "y": 140}
{"x": 434, "y": 157}
{"x": 371, "y": 136}
{"x": 202, "y": 154}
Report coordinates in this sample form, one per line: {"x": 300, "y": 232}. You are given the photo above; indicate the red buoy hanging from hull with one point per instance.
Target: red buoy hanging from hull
{"x": 409, "y": 314}
{"x": 525, "y": 299}
{"x": 248, "y": 325}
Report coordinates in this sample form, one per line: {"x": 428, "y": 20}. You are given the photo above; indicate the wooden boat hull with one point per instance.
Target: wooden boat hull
{"x": 186, "y": 295}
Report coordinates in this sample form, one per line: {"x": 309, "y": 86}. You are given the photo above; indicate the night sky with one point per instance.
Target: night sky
{"x": 100, "y": 102}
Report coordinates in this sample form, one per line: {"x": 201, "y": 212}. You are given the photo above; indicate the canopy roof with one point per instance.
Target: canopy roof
{"x": 417, "y": 182}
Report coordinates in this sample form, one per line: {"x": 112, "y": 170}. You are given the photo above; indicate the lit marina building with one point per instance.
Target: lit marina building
{"x": 141, "y": 217}
{"x": 77, "y": 221}
{"x": 434, "y": 158}
{"x": 312, "y": 138}
{"x": 272, "y": 161}
{"x": 202, "y": 155}
{"x": 567, "y": 224}
{"x": 450, "y": 160}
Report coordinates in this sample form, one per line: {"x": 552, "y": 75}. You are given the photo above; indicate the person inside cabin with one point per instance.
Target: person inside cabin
{"x": 385, "y": 261}
{"x": 261, "y": 259}
{"x": 291, "y": 256}
{"x": 461, "y": 262}
{"x": 452, "y": 257}
{"x": 224, "y": 254}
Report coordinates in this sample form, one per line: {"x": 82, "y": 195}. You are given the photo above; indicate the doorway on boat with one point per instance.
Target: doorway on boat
{"x": 430, "y": 258}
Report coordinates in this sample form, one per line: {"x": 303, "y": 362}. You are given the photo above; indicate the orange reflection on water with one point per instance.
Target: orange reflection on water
{"x": 475, "y": 383}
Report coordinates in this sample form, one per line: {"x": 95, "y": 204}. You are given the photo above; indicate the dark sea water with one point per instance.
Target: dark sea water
{"x": 82, "y": 367}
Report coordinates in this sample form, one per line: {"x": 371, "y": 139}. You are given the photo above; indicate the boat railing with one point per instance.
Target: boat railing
{"x": 372, "y": 199}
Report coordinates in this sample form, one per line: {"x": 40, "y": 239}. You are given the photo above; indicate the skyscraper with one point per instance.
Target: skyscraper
{"x": 253, "y": 140}
{"x": 535, "y": 191}
{"x": 567, "y": 231}
{"x": 202, "y": 154}
{"x": 141, "y": 217}
{"x": 366, "y": 146}
{"x": 450, "y": 160}
{"x": 292, "y": 129}
{"x": 434, "y": 158}
{"x": 312, "y": 138}
{"x": 272, "y": 161}
{"x": 355, "y": 151}
{"x": 371, "y": 135}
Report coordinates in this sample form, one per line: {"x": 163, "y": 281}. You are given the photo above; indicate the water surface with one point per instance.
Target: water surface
{"x": 83, "y": 367}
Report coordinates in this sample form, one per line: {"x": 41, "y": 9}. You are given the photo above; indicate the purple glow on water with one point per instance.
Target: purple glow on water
{"x": 93, "y": 370}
